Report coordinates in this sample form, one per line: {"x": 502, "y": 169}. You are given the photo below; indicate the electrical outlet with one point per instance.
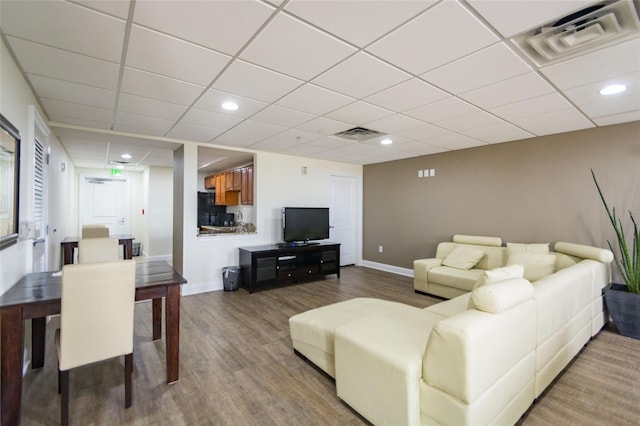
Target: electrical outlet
{"x": 420, "y": 173}
{"x": 380, "y": 249}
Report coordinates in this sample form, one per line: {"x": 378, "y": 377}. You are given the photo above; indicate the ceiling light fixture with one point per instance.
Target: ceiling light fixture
{"x": 126, "y": 156}
{"x": 386, "y": 141}
{"x": 230, "y": 106}
{"x": 613, "y": 89}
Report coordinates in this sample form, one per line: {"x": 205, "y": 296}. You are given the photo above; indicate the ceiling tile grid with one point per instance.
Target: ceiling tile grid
{"x": 434, "y": 75}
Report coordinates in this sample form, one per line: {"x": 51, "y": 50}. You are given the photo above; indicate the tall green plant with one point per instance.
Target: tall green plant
{"x": 628, "y": 262}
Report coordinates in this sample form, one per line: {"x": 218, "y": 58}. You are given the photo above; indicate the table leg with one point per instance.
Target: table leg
{"x": 172, "y": 327}
{"x": 38, "y": 333}
{"x": 128, "y": 249}
{"x": 11, "y": 340}
{"x": 157, "y": 318}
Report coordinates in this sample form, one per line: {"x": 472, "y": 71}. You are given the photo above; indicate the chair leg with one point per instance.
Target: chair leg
{"x": 64, "y": 405}
{"x": 128, "y": 369}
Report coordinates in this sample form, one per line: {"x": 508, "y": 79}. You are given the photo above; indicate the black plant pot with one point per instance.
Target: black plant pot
{"x": 624, "y": 308}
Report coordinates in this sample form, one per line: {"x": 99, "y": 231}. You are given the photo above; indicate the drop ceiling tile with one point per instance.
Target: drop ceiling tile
{"x": 324, "y": 126}
{"x": 304, "y": 150}
{"x": 62, "y": 65}
{"x": 359, "y": 113}
{"x": 281, "y": 116}
{"x": 532, "y": 107}
{"x": 225, "y": 26}
{"x": 237, "y": 139}
{"x": 192, "y": 132}
{"x": 592, "y": 103}
{"x": 444, "y": 33}
{"x": 348, "y": 77}
{"x": 165, "y": 55}
{"x": 214, "y": 120}
{"x": 150, "y": 107}
{"x": 478, "y": 69}
{"x": 165, "y": 89}
{"x": 141, "y": 124}
{"x": 314, "y": 100}
{"x": 407, "y": 95}
{"x": 93, "y": 34}
{"x": 497, "y": 133}
{"x": 565, "y": 120}
{"x": 71, "y": 92}
{"x": 422, "y": 132}
{"x": 468, "y": 121}
{"x": 212, "y": 100}
{"x": 116, "y": 8}
{"x": 600, "y": 65}
{"x": 255, "y": 82}
{"x": 453, "y": 141}
{"x": 515, "y": 89}
{"x": 394, "y": 123}
{"x": 442, "y": 110}
{"x": 258, "y": 128}
{"x": 274, "y": 145}
{"x": 331, "y": 142}
{"x": 626, "y": 117}
{"x": 420, "y": 148}
{"x": 283, "y": 44}
{"x": 358, "y": 22}
{"x": 512, "y": 17}
{"x": 81, "y": 112}
{"x": 79, "y": 121}
{"x": 299, "y": 136}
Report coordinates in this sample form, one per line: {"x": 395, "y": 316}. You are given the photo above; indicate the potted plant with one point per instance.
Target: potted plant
{"x": 623, "y": 300}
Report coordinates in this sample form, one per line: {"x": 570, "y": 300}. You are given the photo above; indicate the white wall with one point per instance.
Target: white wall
{"x": 15, "y": 98}
{"x": 158, "y": 213}
{"x": 279, "y": 183}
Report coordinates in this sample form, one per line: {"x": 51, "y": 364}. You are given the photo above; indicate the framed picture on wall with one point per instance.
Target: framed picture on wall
{"x": 9, "y": 182}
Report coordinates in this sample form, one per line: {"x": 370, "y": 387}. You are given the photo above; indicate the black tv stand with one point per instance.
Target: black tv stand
{"x": 273, "y": 265}
{"x": 297, "y": 244}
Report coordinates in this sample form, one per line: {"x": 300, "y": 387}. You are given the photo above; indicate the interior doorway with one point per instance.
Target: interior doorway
{"x": 107, "y": 201}
{"x": 343, "y": 216}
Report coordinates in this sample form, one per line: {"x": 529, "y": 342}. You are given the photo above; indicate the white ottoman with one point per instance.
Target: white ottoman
{"x": 313, "y": 331}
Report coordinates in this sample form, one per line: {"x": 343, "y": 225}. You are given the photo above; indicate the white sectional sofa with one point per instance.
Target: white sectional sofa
{"x": 479, "y": 358}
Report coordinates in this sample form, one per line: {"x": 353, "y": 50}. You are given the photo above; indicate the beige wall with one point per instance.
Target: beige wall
{"x": 536, "y": 190}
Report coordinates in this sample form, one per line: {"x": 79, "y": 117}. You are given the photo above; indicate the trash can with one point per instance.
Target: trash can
{"x": 136, "y": 249}
{"x": 231, "y": 278}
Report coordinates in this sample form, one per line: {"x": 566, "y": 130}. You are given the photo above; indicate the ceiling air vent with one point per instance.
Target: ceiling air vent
{"x": 587, "y": 29}
{"x": 358, "y": 134}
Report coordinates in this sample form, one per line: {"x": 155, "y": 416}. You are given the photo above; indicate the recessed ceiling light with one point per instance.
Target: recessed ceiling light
{"x": 386, "y": 141}
{"x": 613, "y": 89}
{"x": 230, "y": 106}
{"x": 126, "y": 156}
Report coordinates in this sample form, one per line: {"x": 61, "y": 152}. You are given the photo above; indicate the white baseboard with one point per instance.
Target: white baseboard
{"x": 197, "y": 288}
{"x": 388, "y": 268}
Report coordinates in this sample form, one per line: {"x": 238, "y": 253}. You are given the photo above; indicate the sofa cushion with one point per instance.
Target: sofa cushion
{"x": 500, "y": 274}
{"x": 477, "y": 240}
{"x": 539, "y": 248}
{"x": 463, "y": 257}
{"x": 457, "y": 278}
{"x": 535, "y": 265}
{"x": 584, "y": 252}
{"x": 499, "y": 296}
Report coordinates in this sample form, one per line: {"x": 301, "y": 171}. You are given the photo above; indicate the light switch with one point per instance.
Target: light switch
{"x": 420, "y": 173}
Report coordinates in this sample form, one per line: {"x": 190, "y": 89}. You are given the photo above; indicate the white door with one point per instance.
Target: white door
{"x": 39, "y": 134}
{"x": 105, "y": 200}
{"x": 343, "y": 216}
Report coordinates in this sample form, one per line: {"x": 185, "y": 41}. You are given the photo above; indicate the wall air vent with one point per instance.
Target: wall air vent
{"x": 358, "y": 134}
{"x": 582, "y": 31}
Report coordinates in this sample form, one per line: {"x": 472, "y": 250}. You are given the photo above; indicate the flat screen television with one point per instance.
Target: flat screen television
{"x": 304, "y": 224}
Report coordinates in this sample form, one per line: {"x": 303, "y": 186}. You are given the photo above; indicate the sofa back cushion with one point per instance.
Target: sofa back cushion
{"x": 463, "y": 257}
{"x": 500, "y": 296}
{"x": 477, "y": 240}
{"x": 494, "y": 257}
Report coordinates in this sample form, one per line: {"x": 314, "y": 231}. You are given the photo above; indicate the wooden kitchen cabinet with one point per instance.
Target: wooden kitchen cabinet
{"x": 233, "y": 180}
{"x": 210, "y": 182}
{"x": 246, "y": 186}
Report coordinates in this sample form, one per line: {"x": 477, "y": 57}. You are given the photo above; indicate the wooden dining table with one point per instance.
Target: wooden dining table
{"x": 70, "y": 243}
{"x": 37, "y": 295}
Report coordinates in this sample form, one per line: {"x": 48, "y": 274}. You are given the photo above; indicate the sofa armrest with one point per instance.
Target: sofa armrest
{"x": 421, "y": 269}
{"x": 379, "y": 365}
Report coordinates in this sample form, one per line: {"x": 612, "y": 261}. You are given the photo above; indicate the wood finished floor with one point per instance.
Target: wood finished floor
{"x": 237, "y": 367}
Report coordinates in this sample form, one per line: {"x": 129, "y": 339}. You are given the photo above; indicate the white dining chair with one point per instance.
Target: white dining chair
{"x": 96, "y": 321}
{"x": 92, "y": 250}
